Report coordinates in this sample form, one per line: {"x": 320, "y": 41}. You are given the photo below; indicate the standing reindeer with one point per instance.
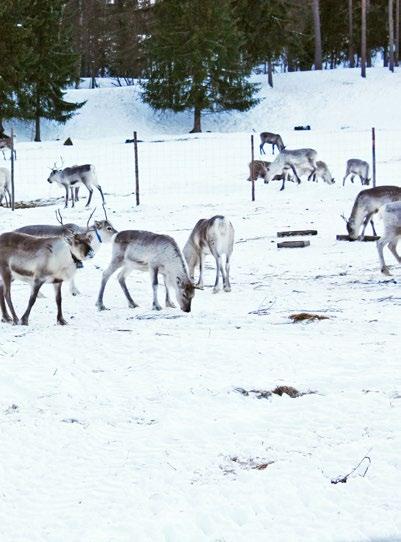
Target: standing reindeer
{"x": 357, "y": 167}
{"x": 211, "y": 236}
{"x": 5, "y": 182}
{"x": 147, "y": 251}
{"x": 7, "y": 143}
{"x": 391, "y": 214}
{"x": 367, "y": 203}
{"x": 273, "y": 139}
{"x": 258, "y": 168}
{"x": 101, "y": 231}
{"x": 49, "y": 259}
{"x": 304, "y": 159}
{"x": 73, "y": 177}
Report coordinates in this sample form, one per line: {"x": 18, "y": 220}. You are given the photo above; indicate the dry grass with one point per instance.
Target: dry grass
{"x": 278, "y": 390}
{"x": 306, "y": 316}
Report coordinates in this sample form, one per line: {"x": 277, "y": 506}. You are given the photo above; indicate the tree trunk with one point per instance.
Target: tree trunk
{"x": 391, "y": 34}
{"x": 397, "y": 32}
{"x": 318, "y": 36}
{"x": 197, "y": 121}
{"x": 270, "y": 73}
{"x": 363, "y": 38}
{"x": 37, "y": 119}
{"x": 385, "y": 56}
{"x": 1, "y": 126}
{"x": 351, "y": 58}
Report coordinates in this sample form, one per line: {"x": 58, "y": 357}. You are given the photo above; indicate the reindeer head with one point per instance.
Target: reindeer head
{"x": 104, "y": 228}
{"x": 55, "y": 176}
{"x": 80, "y": 245}
{"x": 185, "y": 291}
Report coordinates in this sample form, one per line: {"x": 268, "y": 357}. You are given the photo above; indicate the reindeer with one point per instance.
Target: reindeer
{"x": 7, "y": 142}
{"x": 73, "y": 177}
{"x": 49, "y": 259}
{"x": 292, "y": 160}
{"x": 357, "y": 167}
{"x": 5, "y": 182}
{"x": 391, "y": 214}
{"x": 367, "y": 203}
{"x": 211, "y": 236}
{"x": 147, "y": 251}
{"x": 258, "y": 168}
{"x": 101, "y": 231}
{"x": 273, "y": 139}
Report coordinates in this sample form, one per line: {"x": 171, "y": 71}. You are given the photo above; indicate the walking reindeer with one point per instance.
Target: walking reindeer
{"x": 101, "y": 231}
{"x": 211, "y": 236}
{"x": 357, "y": 167}
{"x": 367, "y": 203}
{"x": 40, "y": 260}
{"x": 292, "y": 160}
{"x": 72, "y": 178}
{"x": 147, "y": 251}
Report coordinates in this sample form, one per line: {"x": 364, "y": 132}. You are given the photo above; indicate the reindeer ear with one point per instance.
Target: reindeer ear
{"x": 98, "y": 224}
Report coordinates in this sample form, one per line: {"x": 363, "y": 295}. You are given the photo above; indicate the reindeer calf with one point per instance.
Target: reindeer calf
{"x": 211, "y": 236}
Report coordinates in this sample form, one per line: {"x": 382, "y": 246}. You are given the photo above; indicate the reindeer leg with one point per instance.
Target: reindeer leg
{"x": 6, "y": 277}
{"x": 101, "y": 193}
{"x": 114, "y": 265}
{"x": 283, "y": 183}
{"x": 200, "y": 280}
{"x": 90, "y": 195}
{"x": 72, "y": 197}
{"x": 261, "y": 149}
{"x": 227, "y": 287}
{"x": 273, "y": 148}
{"x": 77, "y": 193}
{"x": 5, "y": 317}
{"x": 373, "y": 227}
{"x": 365, "y": 223}
{"x": 393, "y": 249}
{"x": 7, "y": 193}
{"x": 121, "y": 279}
{"x": 344, "y": 180}
{"x": 60, "y": 318}
{"x": 380, "y": 245}
{"x": 296, "y": 174}
{"x": 169, "y": 303}
{"x": 34, "y": 293}
{"x": 66, "y": 196}
{"x": 153, "y": 276}
{"x": 73, "y": 289}
{"x": 216, "y": 287}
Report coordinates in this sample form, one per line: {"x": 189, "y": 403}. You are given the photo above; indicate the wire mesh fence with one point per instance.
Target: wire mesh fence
{"x": 207, "y": 167}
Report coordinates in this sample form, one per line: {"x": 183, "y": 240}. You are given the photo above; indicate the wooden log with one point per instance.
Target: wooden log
{"x": 293, "y": 244}
{"x": 365, "y": 238}
{"x": 291, "y": 233}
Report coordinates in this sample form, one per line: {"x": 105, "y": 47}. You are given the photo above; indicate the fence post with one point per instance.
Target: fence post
{"x": 136, "y": 168}
{"x": 252, "y": 169}
{"x": 12, "y": 171}
{"x": 374, "y": 157}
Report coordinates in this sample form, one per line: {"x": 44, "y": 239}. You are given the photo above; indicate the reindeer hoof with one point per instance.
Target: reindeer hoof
{"x": 171, "y": 305}
{"x": 132, "y": 305}
{"x": 227, "y": 288}
{"x": 216, "y": 290}
{"x": 386, "y": 271}
{"x": 101, "y": 307}
{"x": 24, "y": 322}
{"x": 61, "y": 322}
{"x": 156, "y": 307}
{"x": 6, "y": 319}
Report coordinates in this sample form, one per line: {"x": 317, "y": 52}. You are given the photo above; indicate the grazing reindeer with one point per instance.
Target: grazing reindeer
{"x": 321, "y": 172}
{"x": 73, "y": 177}
{"x": 258, "y": 168}
{"x": 5, "y": 182}
{"x": 366, "y": 204}
{"x": 147, "y": 251}
{"x": 303, "y": 159}
{"x": 7, "y": 143}
{"x": 391, "y": 214}
{"x": 211, "y": 236}
{"x": 273, "y": 139}
{"x": 49, "y": 259}
{"x": 101, "y": 231}
{"x": 357, "y": 167}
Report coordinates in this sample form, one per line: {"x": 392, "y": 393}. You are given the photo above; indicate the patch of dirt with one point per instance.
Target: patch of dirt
{"x": 307, "y": 316}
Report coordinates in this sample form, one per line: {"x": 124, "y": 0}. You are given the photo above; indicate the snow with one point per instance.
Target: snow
{"x": 126, "y": 425}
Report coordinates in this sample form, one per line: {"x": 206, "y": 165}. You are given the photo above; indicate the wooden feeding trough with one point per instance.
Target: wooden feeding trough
{"x": 365, "y": 238}
{"x": 293, "y": 244}
{"x": 293, "y": 233}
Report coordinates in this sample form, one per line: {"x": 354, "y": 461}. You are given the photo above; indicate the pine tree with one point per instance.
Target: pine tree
{"x": 195, "y": 59}
{"x": 52, "y": 66}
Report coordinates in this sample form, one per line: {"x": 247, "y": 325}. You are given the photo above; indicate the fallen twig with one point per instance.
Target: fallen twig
{"x": 343, "y": 479}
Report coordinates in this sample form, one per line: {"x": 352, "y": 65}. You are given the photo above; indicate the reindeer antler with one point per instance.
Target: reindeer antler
{"x": 90, "y": 216}
{"x": 104, "y": 210}
{"x": 59, "y": 217}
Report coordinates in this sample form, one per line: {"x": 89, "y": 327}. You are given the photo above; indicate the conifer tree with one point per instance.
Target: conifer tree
{"x": 52, "y": 65}
{"x": 194, "y": 51}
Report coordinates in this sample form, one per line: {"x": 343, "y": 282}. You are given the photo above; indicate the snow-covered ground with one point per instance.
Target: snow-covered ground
{"x": 126, "y": 425}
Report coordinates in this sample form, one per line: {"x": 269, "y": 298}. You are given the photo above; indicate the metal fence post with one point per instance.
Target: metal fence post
{"x": 252, "y": 169}
{"x": 12, "y": 171}
{"x": 374, "y": 157}
{"x": 136, "y": 168}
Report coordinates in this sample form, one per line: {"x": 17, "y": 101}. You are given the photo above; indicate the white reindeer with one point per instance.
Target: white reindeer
{"x": 357, "y": 167}
{"x": 367, "y": 203}
{"x": 147, "y": 251}
{"x": 302, "y": 159}
{"x": 49, "y": 259}
{"x": 72, "y": 177}
{"x": 5, "y": 183}
{"x": 273, "y": 139}
{"x": 391, "y": 214}
{"x": 211, "y": 236}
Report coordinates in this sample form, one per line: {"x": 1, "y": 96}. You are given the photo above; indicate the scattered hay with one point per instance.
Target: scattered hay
{"x": 35, "y": 203}
{"x": 278, "y": 390}
{"x": 306, "y": 316}
{"x": 288, "y": 390}
{"x": 246, "y": 464}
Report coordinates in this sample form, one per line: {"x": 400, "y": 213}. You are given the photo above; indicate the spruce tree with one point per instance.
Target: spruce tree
{"x": 52, "y": 66}
{"x": 195, "y": 59}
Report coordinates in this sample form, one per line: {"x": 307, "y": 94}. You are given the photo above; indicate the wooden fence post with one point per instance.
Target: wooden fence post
{"x": 136, "y": 168}
{"x": 252, "y": 169}
{"x": 374, "y": 157}
{"x": 12, "y": 172}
